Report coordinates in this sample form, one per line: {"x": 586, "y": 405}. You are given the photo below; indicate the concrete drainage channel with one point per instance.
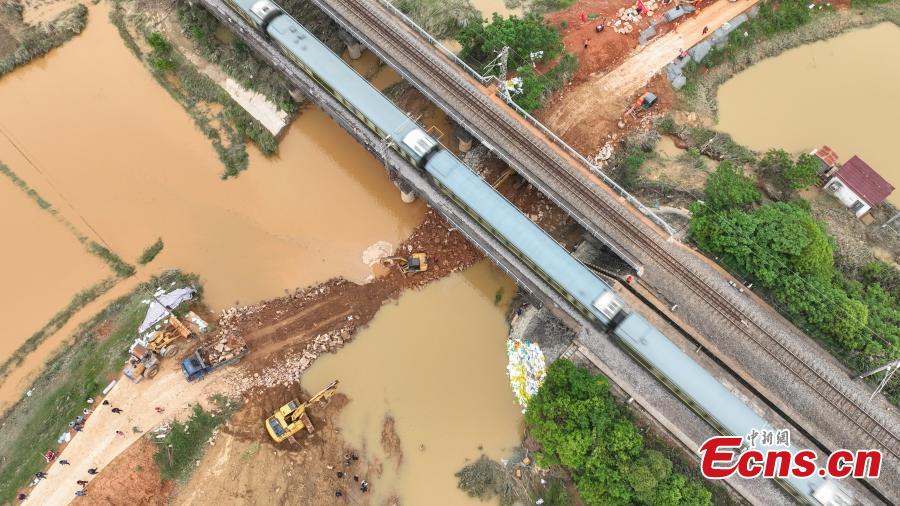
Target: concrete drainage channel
{"x": 718, "y": 39}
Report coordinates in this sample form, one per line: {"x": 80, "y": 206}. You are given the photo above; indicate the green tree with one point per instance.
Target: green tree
{"x": 728, "y": 187}
{"x": 579, "y": 426}
{"x": 804, "y": 173}
{"x": 526, "y": 36}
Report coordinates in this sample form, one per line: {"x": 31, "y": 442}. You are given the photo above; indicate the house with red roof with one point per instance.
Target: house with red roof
{"x": 858, "y": 186}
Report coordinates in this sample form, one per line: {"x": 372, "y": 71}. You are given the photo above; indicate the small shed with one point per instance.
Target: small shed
{"x": 858, "y": 186}
{"x": 828, "y": 159}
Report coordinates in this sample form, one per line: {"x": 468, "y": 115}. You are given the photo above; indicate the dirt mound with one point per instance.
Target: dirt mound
{"x": 131, "y": 478}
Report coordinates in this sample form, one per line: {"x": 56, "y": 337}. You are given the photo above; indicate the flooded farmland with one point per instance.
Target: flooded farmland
{"x": 302, "y": 217}
{"x": 843, "y": 92}
{"x": 103, "y": 136}
{"x": 58, "y": 267}
{"x": 436, "y": 363}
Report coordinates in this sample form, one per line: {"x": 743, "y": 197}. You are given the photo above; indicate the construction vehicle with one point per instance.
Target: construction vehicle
{"x": 163, "y": 341}
{"x": 207, "y": 358}
{"x": 292, "y": 418}
{"x": 642, "y": 103}
{"x": 417, "y": 262}
{"x": 147, "y": 350}
{"x": 142, "y": 363}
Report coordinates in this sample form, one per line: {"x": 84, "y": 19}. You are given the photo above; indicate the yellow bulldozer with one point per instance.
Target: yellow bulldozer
{"x": 292, "y": 418}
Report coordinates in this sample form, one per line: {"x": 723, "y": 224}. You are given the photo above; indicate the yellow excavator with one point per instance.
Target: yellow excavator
{"x": 292, "y": 418}
{"x": 417, "y": 262}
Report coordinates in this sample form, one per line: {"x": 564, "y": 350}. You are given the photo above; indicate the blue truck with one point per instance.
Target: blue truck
{"x": 211, "y": 356}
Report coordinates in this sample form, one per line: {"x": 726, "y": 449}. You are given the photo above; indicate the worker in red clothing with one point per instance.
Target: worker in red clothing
{"x": 583, "y": 18}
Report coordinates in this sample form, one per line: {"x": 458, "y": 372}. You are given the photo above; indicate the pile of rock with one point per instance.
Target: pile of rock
{"x": 287, "y": 372}
{"x": 626, "y": 18}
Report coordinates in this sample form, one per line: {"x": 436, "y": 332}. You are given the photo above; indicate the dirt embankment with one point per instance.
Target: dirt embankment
{"x": 135, "y": 480}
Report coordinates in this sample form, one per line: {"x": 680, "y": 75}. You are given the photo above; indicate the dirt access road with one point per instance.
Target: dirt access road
{"x": 98, "y": 444}
{"x": 608, "y": 95}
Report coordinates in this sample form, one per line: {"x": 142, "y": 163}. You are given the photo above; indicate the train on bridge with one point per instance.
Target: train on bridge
{"x": 586, "y": 292}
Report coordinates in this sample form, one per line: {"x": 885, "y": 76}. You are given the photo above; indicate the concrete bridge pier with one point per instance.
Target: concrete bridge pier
{"x": 407, "y": 193}
{"x": 297, "y": 94}
{"x": 354, "y": 47}
{"x": 464, "y": 139}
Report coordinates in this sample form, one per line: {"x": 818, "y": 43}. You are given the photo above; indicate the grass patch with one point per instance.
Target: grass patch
{"x": 119, "y": 266}
{"x": 150, "y": 253}
{"x": 79, "y": 301}
{"x": 79, "y": 371}
{"x": 36, "y": 41}
{"x": 185, "y": 441}
{"x": 40, "y": 201}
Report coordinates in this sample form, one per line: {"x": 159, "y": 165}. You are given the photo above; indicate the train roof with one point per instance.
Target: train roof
{"x": 696, "y": 383}
{"x": 524, "y": 234}
{"x": 335, "y": 73}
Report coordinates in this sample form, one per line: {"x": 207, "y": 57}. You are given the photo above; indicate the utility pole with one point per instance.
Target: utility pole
{"x": 500, "y": 62}
{"x": 890, "y": 367}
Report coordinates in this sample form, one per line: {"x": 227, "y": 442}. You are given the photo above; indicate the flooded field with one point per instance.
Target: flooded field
{"x": 436, "y": 363}
{"x": 42, "y": 265}
{"x": 132, "y": 162}
{"x": 101, "y": 134}
{"x": 843, "y": 92}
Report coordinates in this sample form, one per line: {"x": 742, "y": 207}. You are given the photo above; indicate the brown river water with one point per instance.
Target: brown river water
{"x": 488, "y": 7}
{"x": 843, "y": 92}
{"x": 110, "y": 146}
{"x": 436, "y": 362}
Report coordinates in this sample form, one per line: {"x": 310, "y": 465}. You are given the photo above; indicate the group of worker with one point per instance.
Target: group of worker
{"x": 77, "y": 424}
{"x": 349, "y": 459}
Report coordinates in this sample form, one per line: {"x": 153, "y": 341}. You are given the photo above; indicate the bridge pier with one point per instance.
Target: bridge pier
{"x": 464, "y": 139}
{"x": 354, "y": 47}
{"x": 407, "y": 192}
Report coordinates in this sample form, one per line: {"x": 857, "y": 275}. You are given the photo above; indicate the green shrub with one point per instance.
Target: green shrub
{"x": 729, "y": 188}
{"x": 119, "y": 266}
{"x": 150, "y": 253}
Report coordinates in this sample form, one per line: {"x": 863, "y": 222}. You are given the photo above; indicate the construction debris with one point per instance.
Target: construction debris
{"x": 526, "y": 369}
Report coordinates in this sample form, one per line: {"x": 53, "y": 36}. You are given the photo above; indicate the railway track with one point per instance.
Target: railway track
{"x": 539, "y": 154}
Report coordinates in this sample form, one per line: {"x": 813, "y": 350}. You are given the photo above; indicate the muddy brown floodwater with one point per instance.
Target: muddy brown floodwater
{"x": 107, "y": 139}
{"x": 436, "y": 363}
{"x": 843, "y": 92}
{"x": 133, "y": 164}
{"x": 56, "y": 267}
{"x": 488, "y": 7}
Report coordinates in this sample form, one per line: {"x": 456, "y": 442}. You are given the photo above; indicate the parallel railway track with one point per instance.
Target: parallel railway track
{"x": 452, "y": 86}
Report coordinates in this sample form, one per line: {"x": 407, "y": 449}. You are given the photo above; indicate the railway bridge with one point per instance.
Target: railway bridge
{"x": 803, "y": 381}
{"x": 781, "y": 362}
